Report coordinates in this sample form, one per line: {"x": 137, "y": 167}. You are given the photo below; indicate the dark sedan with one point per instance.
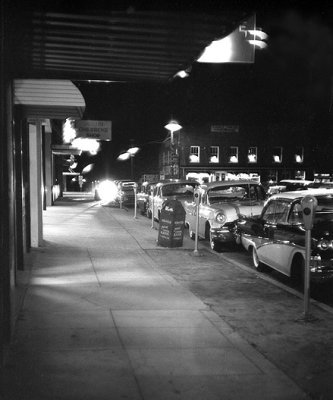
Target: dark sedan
{"x": 276, "y": 238}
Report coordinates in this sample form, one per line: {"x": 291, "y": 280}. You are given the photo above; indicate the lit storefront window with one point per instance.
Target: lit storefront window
{"x": 277, "y": 155}
{"x": 214, "y": 156}
{"x": 252, "y": 155}
{"x": 194, "y": 154}
{"x": 233, "y": 154}
{"x": 299, "y": 155}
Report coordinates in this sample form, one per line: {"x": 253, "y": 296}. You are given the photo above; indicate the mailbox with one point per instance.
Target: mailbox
{"x": 171, "y": 224}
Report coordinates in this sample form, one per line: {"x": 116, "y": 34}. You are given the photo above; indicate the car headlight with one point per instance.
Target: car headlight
{"x": 324, "y": 244}
{"x": 107, "y": 191}
{"x": 220, "y": 218}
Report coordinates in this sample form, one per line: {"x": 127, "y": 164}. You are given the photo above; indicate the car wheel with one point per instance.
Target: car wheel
{"x": 258, "y": 265}
{"x": 214, "y": 245}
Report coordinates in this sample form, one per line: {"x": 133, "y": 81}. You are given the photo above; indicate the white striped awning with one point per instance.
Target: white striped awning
{"x": 48, "y": 98}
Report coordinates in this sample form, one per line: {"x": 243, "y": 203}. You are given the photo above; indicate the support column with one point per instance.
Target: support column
{"x": 36, "y": 204}
{"x": 48, "y": 167}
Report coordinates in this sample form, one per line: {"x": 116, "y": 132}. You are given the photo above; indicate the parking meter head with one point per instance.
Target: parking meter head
{"x": 309, "y": 205}
{"x": 197, "y": 195}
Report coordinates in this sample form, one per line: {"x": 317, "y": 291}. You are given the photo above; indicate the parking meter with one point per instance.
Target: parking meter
{"x": 309, "y": 205}
{"x": 197, "y": 197}
{"x": 135, "y": 187}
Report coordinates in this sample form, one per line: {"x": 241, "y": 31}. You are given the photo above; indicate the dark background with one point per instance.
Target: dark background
{"x": 290, "y": 81}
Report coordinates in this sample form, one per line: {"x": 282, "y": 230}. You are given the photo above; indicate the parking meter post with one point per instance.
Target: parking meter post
{"x": 309, "y": 205}
{"x": 135, "y": 204}
{"x": 197, "y": 196}
{"x": 307, "y": 272}
{"x": 196, "y": 251}
{"x": 152, "y": 210}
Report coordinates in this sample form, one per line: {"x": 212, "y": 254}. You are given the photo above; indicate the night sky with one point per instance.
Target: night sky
{"x": 289, "y": 80}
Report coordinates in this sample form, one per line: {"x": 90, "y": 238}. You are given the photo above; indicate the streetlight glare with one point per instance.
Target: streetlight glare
{"x": 124, "y": 156}
{"x": 133, "y": 150}
{"x": 173, "y": 126}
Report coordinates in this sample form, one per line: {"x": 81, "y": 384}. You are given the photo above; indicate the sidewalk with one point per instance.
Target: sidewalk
{"x": 101, "y": 320}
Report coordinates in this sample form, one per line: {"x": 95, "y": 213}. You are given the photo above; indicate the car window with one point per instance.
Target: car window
{"x": 235, "y": 192}
{"x": 178, "y": 189}
{"x": 296, "y": 214}
{"x": 276, "y": 212}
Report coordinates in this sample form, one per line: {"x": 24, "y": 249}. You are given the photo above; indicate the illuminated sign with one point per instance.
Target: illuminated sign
{"x": 99, "y": 130}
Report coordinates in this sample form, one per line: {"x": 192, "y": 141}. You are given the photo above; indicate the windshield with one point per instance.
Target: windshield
{"x": 235, "y": 192}
{"x": 179, "y": 189}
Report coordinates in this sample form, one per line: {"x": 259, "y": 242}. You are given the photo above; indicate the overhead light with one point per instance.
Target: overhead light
{"x": 218, "y": 51}
{"x": 173, "y": 126}
{"x": 258, "y": 43}
{"x": 124, "y": 156}
{"x": 133, "y": 150}
{"x": 182, "y": 74}
{"x": 258, "y": 33}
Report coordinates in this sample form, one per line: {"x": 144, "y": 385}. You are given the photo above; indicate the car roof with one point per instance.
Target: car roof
{"x": 173, "y": 181}
{"x": 302, "y": 193}
{"x": 295, "y": 181}
{"x": 210, "y": 185}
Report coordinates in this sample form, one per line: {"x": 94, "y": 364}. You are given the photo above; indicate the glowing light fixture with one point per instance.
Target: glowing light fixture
{"x": 218, "y": 51}
{"x": 276, "y": 158}
{"x": 214, "y": 159}
{"x": 172, "y": 126}
{"x": 233, "y": 159}
{"x": 252, "y": 158}
{"x": 124, "y": 156}
{"x": 85, "y": 144}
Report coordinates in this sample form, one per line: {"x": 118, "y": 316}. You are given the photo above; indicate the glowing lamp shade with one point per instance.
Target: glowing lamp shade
{"x": 214, "y": 159}
{"x": 133, "y": 150}
{"x": 218, "y": 51}
{"x": 173, "y": 126}
{"x": 233, "y": 159}
{"x": 124, "y": 156}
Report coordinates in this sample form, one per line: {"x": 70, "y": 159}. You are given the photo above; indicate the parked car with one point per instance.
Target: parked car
{"x": 222, "y": 204}
{"x": 142, "y": 197}
{"x": 179, "y": 189}
{"x": 276, "y": 238}
{"x": 289, "y": 185}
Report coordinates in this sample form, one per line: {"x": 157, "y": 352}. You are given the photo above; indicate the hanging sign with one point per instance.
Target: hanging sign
{"x": 91, "y": 129}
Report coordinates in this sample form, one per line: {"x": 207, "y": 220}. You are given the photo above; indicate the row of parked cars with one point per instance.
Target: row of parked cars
{"x": 269, "y": 226}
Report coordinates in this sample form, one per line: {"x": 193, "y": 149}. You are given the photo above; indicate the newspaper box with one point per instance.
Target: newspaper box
{"x": 171, "y": 224}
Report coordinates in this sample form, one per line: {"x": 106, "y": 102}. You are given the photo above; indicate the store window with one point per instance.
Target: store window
{"x": 233, "y": 154}
{"x": 214, "y": 156}
{"x": 252, "y": 155}
{"x": 277, "y": 155}
{"x": 195, "y": 154}
{"x": 299, "y": 155}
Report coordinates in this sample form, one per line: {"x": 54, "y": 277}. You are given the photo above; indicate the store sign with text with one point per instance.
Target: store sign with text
{"x": 91, "y": 129}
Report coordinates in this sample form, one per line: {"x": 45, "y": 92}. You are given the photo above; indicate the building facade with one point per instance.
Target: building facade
{"x": 224, "y": 151}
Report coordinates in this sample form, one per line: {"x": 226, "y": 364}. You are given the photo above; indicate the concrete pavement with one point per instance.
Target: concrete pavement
{"x": 99, "y": 319}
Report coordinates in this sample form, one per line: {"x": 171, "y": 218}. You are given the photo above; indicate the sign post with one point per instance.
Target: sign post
{"x": 309, "y": 205}
{"x": 197, "y": 197}
{"x": 135, "y": 186}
